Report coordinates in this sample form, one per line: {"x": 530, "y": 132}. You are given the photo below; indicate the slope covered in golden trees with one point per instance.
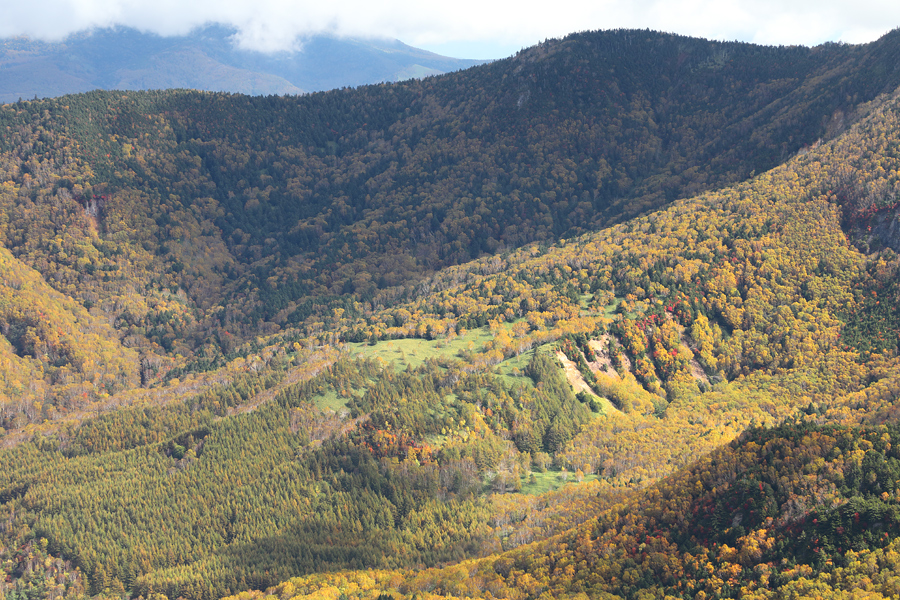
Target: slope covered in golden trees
{"x": 702, "y": 395}
{"x": 53, "y": 351}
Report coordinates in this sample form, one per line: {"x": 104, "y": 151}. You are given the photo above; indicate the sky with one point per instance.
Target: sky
{"x": 483, "y": 29}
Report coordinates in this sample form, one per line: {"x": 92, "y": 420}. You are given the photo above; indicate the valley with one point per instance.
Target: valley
{"x": 615, "y": 317}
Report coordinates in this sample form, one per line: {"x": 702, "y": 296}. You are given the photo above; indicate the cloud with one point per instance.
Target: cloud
{"x": 281, "y": 24}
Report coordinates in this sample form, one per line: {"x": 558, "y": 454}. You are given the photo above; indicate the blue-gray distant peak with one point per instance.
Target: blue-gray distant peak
{"x": 205, "y": 59}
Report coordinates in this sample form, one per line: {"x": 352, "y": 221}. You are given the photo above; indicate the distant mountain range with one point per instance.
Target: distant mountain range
{"x": 206, "y": 59}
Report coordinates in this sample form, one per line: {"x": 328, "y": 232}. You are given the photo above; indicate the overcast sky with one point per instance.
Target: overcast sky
{"x": 463, "y": 28}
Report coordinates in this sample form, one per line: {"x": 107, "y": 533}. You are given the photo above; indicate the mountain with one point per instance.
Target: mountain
{"x": 270, "y": 212}
{"x": 206, "y": 59}
{"x": 615, "y": 317}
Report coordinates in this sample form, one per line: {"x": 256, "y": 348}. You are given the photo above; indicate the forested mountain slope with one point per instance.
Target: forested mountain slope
{"x": 194, "y": 222}
{"x": 797, "y": 511}
{"x": 760, "y": 284}
{"x": 221, "y": 395}
{"x": 404, "y": 437}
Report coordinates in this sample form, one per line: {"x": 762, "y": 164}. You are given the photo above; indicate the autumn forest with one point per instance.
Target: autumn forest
{"x": 616, "y": 317}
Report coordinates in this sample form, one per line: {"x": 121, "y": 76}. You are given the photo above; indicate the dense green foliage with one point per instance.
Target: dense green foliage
{"x": 173, "y": 500}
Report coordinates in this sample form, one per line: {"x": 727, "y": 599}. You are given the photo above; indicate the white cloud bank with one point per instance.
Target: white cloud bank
{"x": 278, "y": 24}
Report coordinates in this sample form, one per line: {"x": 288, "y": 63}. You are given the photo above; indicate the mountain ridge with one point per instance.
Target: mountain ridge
{"x": 382, "y": 185}
{"x": 207, "y": 58}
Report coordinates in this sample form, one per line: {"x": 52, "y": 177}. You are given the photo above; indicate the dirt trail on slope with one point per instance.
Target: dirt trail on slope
{"x": 603, "y": 362}
{"x": 697, "y": 372}
{"x": 574, "y": 375}
{"x": 576, "y": 380}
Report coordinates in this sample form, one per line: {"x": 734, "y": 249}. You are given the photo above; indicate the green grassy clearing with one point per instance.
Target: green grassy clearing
{"x": 415, "y": 351}
{"x": 606, "y": 407}
{"x": 638, "y": 308}
{"x": 330, "y": 401}
{"x": 610, "y": 309}
{"x": 549, "y": 481}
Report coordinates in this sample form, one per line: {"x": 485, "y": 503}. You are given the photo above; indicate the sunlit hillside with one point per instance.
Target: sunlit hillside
{"x": 478, "y": 336}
